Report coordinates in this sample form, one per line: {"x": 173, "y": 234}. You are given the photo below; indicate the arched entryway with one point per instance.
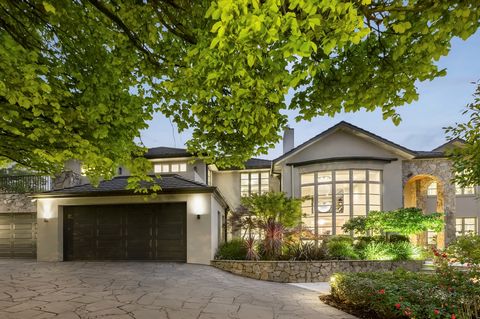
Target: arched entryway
{"x": 418, "y": 175}
{"x": 417, "y": 191}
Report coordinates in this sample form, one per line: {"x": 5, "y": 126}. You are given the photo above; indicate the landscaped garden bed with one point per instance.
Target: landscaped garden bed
{"x": 449, "y": 293}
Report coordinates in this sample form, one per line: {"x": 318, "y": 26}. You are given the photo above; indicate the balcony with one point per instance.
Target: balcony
{"x": 21, "y": 184}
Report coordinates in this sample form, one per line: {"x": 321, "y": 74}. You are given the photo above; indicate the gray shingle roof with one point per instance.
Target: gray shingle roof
{"x": 166, "y": 152}
{"x": 117, "y": 185}
{"x": 253, "y": 163}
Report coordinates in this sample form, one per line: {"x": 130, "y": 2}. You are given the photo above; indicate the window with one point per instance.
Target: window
{"x": 254, "y": 183}
{"x": 336, "y": 196}
{"x": 432, "y": 189}
{"x": 469, "y": 190}
{"x": 170, "y": 167}
{"x": 465, "y": 225}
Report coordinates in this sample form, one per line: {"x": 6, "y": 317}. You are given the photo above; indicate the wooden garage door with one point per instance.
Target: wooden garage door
{"x": 18, "y": 235}
{"x": 125, "y": 232}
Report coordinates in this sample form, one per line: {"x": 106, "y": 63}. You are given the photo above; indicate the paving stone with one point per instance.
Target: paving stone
{"x": 250, "y": 311}
{"x": 149, "y": 314}
{"x": 60, "y": 307}
{"x": 139, "y": 290}
{"x": 102, "y": 305}
{"x": 24, "y": 306}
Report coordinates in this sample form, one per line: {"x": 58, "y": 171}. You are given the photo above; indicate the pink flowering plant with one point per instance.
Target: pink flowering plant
{"x": 403, "y": 294}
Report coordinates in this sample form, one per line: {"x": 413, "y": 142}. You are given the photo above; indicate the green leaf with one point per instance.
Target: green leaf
{"x": 48, "y": 7}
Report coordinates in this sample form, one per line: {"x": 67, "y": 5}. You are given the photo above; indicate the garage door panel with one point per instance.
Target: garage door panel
{"x": 18, "y": 235}
{"x": 138, "y": 232}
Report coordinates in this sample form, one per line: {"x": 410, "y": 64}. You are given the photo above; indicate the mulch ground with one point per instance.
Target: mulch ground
{"x": 360, "y": 313}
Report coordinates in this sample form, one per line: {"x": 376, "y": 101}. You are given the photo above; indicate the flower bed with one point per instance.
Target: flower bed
{"x": 402, "y": 294}
{"x": 309, "y": 271}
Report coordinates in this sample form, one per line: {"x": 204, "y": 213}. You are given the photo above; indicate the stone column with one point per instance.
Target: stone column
{"x": 449, "y": 211}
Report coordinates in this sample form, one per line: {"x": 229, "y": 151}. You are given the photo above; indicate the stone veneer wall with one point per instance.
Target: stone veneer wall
{"x": 308, "y": 271}
{"x": 16, "y": 203}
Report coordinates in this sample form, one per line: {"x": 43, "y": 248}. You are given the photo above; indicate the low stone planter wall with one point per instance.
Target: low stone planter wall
{"x": 308, "y": 271}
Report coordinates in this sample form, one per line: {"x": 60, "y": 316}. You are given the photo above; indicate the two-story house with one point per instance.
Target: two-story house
{"x": 346, "y": 171}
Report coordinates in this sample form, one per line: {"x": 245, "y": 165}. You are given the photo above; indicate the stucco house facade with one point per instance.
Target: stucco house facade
{"x": 346, "y": 171}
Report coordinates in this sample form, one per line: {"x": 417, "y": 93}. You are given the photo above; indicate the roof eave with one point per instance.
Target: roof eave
{"x": 189, "y": 190}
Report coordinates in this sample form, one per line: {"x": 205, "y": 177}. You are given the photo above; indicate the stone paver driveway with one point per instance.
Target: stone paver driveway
{"x": 147, "y": 290}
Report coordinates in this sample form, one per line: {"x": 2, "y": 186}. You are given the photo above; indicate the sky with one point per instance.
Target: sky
{"x": 440, "y": 104}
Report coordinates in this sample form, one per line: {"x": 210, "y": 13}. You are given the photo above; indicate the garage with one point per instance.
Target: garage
{"x": 18, "y": 235}
{"x": 154, "y": 231}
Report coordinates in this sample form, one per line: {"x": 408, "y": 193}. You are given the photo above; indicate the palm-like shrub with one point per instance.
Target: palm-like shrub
{"x": 273, "y": 240}
{"x": 305, "y": 251}
{"x": 250, "y": 245}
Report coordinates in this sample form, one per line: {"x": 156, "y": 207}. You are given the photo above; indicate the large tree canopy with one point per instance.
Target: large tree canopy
{"x": 466, "y": 159}
{"x": 78, "y": 79}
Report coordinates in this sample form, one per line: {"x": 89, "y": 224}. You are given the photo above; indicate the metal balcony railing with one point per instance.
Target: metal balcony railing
{"x": 20, "y": 184}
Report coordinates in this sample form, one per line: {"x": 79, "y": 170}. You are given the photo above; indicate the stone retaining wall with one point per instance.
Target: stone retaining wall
{"x": 308, "y": 271}
{"x": 16, "y": 203}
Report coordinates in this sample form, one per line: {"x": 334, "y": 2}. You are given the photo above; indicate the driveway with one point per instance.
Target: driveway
{"x": 147, "y": 290}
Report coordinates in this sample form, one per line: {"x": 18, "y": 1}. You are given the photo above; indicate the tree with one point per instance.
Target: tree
{"x": 466, "y": 159}
{"x": 78, "y": 79}
{"x": 274, "y": 206}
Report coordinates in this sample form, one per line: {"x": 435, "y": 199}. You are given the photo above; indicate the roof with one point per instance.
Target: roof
{"x": 449, "y": 144}
{"x": 349, "y": 127}
{"x": 253, "y": 163}
{"x": 170, "y": 183}
{"x": 166, "y": 152}
{"x": 429, "y": 154}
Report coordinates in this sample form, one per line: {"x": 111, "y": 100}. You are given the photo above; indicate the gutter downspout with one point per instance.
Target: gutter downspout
{"x": 291, "y": 179}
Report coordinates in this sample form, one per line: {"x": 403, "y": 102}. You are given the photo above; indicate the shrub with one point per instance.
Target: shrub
{"x": 402, "y": 250}
{"x": 376, "y": 250}
{"x": 340, "y": 247}
{"x": 394, "y": 238}
{"x": 304, "y": 251}
{"x": 235, "y": 249}
{"x": 465, "y": 249}
{"x": 273, "y": 241}
{"x": 402, "y": 294}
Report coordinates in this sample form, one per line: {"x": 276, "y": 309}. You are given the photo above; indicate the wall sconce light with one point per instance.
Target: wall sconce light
{"x": 198, "y": 216}
{"x": 45, "y": 220}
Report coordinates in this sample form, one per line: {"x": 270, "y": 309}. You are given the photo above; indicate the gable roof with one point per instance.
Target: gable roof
{"x": 166, "y": 152}
{"x": 347, "y": 127}
{"x": 449, "y": 144}
{"x": 170, "y": 183}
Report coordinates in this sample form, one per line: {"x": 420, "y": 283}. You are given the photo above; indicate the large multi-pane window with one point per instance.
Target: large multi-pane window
{"x": 465, "y": 225}
{"x": 254, "y": 183}
{"x": 333, "y": 197}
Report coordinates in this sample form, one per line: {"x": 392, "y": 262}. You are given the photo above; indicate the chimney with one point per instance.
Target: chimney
{"x": 288, "y": 139}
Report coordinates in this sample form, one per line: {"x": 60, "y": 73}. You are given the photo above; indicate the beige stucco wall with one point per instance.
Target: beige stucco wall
{"x": 343, "y": 144}
{"x": 201, "y": 246}
{"x": 465, "y": 206}
{"x": 339, "y": 144}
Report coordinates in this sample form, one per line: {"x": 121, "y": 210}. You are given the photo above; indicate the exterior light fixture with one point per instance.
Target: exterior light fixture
{"x": 198, "y": 216}
{"x": 45, "y": 220}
